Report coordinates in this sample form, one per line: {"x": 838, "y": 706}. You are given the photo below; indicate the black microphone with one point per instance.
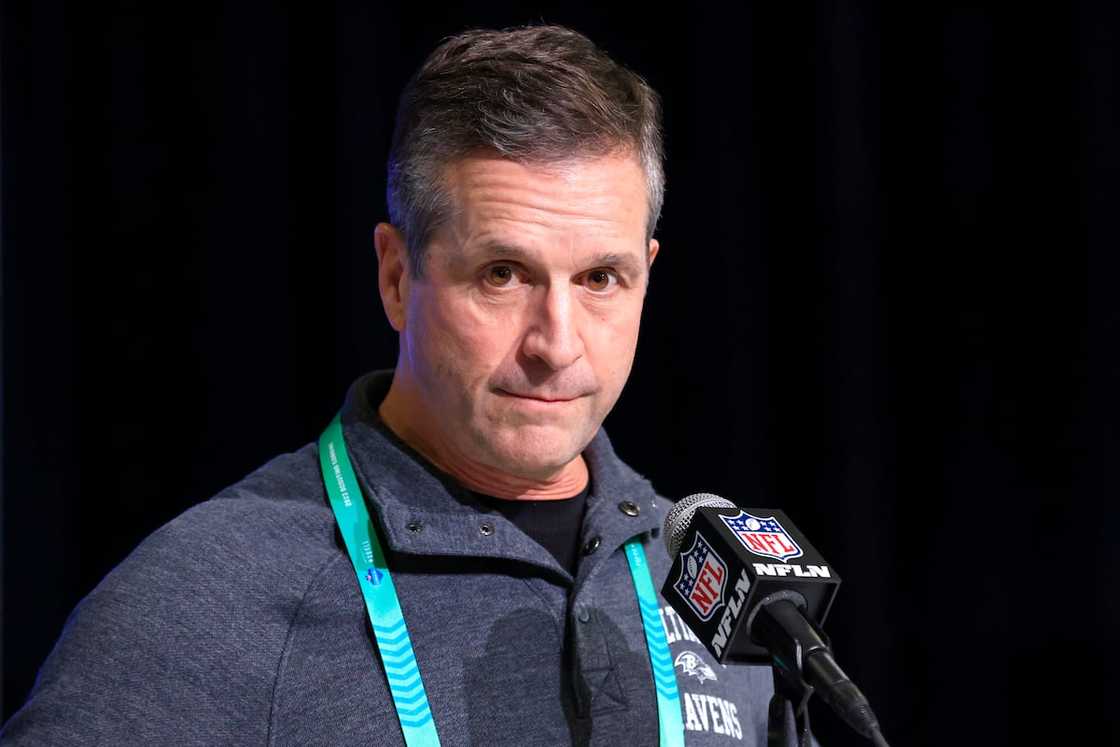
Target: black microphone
{"x": 754, "y": 591}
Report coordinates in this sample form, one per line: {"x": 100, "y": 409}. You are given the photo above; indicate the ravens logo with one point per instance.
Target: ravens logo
{"x": 692, "y": 664}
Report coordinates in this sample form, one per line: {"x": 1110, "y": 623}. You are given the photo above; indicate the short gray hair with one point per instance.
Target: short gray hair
{"x": 533, "y": 94}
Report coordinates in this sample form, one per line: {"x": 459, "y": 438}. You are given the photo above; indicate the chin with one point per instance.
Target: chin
{"x": 535, "y": 455}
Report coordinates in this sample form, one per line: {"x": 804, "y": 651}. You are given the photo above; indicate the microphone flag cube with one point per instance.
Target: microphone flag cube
{"x": 734, "y": 559}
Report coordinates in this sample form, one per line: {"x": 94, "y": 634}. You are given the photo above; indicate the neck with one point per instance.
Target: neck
{"x": 407, "y": 417}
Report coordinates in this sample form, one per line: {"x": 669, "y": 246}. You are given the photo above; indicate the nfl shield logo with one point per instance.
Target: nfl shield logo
{"x": 703, "y": 577}
{"x": 762, "y": 536}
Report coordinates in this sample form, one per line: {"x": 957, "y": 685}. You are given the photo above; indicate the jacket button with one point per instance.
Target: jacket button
{"x": 415, "y": 526}
{"x": 584, "y": 615}
{"x": 592, "y": 545}
{"x": 486, "y": 529}
{"x": 629, "y": 508}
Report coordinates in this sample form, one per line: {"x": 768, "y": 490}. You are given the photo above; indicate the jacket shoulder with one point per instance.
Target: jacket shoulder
{"x": 267, "y": 531}
{"x": 184, "y": 637}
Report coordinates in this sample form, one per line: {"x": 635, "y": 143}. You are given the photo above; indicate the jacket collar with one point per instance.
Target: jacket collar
{"x": 422, "y": 511}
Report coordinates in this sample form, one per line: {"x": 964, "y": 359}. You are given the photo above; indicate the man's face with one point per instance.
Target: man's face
{"x": 521, "y": 333}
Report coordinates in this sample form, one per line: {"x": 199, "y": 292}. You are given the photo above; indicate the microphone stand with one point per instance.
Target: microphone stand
{"x": 799, "y": 654}
{"x": 787, "y": 691}
{"x": 777, "y": 617}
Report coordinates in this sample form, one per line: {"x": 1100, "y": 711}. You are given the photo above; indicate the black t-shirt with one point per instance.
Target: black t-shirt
{"x": 554, "y": 524}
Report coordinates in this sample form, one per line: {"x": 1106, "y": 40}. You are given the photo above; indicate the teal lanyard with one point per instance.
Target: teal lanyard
{"x": 391, "y": 634}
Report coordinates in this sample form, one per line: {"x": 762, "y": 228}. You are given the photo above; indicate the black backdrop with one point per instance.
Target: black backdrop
{"x": 885, "y": 302}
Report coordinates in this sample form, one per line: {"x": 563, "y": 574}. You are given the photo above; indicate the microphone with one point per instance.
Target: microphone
{"x": 754, "y": 591}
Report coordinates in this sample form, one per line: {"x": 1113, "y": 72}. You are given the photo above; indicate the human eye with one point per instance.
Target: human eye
{"x": 601, "y": 280}
{"x": 501, "y": 275}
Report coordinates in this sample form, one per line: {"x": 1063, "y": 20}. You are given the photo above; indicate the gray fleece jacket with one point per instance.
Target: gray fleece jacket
{"x": 240, "y": 622}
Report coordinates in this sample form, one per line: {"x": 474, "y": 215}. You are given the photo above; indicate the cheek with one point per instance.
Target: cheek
{"x": 614, "y": 342}
{"x": 457, "y": 341}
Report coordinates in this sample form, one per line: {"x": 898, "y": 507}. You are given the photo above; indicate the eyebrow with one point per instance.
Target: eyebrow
{"x": 627, "y": 263}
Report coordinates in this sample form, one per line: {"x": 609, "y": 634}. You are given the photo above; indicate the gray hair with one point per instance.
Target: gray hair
{"x": 533, "y": 94}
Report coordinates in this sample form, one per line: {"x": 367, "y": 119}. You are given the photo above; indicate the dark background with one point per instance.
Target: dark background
{"x": 885, "y": 302}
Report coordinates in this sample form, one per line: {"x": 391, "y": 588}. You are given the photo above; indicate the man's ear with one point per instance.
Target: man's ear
{"x": 392, "y": 273}
{"x": 650, "y": 256}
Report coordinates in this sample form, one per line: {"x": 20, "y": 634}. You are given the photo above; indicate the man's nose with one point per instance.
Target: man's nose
{"x": 553, "y": 336}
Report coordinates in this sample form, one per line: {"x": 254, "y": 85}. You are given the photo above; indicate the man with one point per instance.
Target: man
{"x": 525, "y": 184}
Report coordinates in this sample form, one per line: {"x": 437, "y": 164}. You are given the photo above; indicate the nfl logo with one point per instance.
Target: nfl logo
{"x": 703, "y": 577}
{"x": 762, "y": 536}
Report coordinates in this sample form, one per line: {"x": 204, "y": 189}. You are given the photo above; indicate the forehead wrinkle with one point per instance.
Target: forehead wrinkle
{"x": 564, "y": 192}
{"x": 509, "y": 216}
{"x": 605, "y": 209}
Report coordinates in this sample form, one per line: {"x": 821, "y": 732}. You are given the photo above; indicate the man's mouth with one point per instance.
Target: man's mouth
{"x": 546, "y": 398}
